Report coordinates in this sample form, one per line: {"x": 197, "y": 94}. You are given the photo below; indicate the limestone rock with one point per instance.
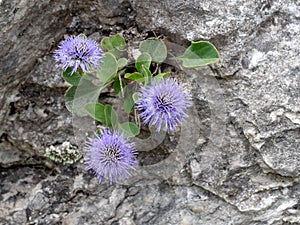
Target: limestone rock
{"x": 235, "y": 161}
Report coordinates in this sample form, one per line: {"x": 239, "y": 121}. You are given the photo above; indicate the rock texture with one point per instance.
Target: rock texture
{"x": 235, "y": 161}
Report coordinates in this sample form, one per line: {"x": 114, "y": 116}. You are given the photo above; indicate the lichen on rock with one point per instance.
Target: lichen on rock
{"x": 66, "y": 153}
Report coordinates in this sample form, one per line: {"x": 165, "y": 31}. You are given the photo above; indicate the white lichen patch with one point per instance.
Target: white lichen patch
{"x": 276, "y": 115}
{"x": 65, "y": 153}
{"x": 294, "y": 117}
{"x": 256, "y": 58}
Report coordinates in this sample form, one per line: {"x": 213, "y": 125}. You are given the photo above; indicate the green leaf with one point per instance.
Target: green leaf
{"x": 69, "y": 97}
{"x": 109, "y": 68}
{"x": 156, "y": 48}
{"x": 135, "y": 96}
{"x": 161, "y": 76}
{"x": 77, "y": 97}
{"x": 147, "y": 75}
{"x": 114, "y": 44}
{"x": 111, "y": 117}
{"x": 199, "y": 53}
{"x": 122, "y": 62}
{"x": 82, "y": 35}
{"x": 117, "y": 86}
{"x": 72, "y": 79}
{"x": 116, "y": 41}
{"x": 142, "y": 64}
{"x": 128, "y": 103}
{"x": 96, "y": 110}
{"x": 129, "y": 129}
{"x": 144, "y": 60}
{"x": 136, "y": 76}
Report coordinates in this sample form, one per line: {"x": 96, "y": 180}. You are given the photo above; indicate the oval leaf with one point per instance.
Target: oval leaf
{"x": 129, "y": 129}
{"x": 109, "y": 68}
{"x": 69, "y": 98}
{"x": 72, "y": 79}
{"x": 96, "y": 110}
{"x": 156, "y": 48}
{"x": 78, "y": 96}
{"x": 128, "y": 103}
{"x": 143, "y": 61}
{"x": 111, "y": 117}
{"x": 135, "y": 96}
{"x": 122, "y": 62}
{"x": 147, "y": 75}
{"x": 199, "y": 53}
{"x": 116, "y": 41}
{"x": 136, "y": 76}
{"x": 117, "y": 86}
{"x": 114, "y": 44}
{"x": 161, "y": 76}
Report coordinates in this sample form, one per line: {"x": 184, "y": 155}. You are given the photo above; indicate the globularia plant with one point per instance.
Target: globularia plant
{"x": 79, "y": 53}
{"x": 160, "y": 101}
{"x": 110, "y": 156}
{"x": 163, "y": 104}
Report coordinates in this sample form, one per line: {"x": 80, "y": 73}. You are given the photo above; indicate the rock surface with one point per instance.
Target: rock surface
{"x": 235, "y": 161}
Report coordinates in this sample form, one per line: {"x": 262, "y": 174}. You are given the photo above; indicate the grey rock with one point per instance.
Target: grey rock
{"x": 20, "y": 217}
{"x": 235, "y": 161}
{"x": 38, "y": 202}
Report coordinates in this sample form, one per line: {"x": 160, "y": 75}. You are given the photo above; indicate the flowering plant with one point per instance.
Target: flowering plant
{"x": 145, "y": 92}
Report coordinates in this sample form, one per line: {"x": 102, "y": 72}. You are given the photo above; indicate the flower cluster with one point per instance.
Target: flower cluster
{"x": 110, "y": 156}
{"x": 79, "y": 53}
{"x": 160, "y": 102}
{"x": 163, "y": 104}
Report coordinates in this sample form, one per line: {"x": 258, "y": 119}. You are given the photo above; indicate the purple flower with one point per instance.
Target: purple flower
{"x": 110, "y": 156}
{"x": 163, "y": 104}
{"x": 79, "y": 53}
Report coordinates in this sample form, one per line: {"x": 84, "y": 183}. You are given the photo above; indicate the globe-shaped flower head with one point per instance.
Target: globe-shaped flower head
{"x": 79, "y": 53}
{"x": 110, "y": 156}
{"x": 163, "y": 104}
